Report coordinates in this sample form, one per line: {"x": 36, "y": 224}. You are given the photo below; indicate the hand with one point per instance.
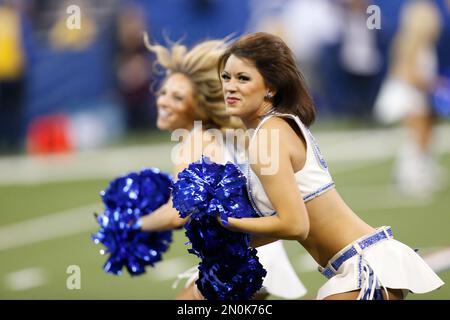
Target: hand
{"x": 223, "y": 223}
{"x": 136, "y": 225}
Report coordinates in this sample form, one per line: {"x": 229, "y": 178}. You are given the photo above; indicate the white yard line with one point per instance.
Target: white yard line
{"x": 439, "y": 260}
{"x": 358, "y": 145}
{"x": 347, "y": 150}
{"x": 107, "y": 163}
{"x": 338, "y": 147}
{"x": 58, "y": 225}
{"x": 25, "y": 279}
{"x": 168, "y": 269}
{"x": 78, "y": 220}
{"x": 49, "y": 227}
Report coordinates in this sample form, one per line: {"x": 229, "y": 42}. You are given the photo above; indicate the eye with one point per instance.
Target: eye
{"x": 160, "y": 93}
{"x": 225, "y": 76}
{"x": 243, "y": 78}
{"x": 178, "y": 98}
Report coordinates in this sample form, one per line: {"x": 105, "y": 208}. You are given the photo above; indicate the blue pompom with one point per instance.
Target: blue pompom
{"x": 234, "y": 278}
{"x": 207, "y": 188}
{"x": 229, "y": 267}
{"x": 126, "y": 200}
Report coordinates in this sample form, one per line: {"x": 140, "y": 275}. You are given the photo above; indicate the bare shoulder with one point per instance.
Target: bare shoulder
{"x": 276, "y": 141}
{"x": 273, "y": 130}
{"x": 270, "y": 144}
{"x": 275, "y": 122}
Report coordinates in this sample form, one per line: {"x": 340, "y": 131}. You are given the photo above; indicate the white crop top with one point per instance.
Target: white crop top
{"x": 313, "y": 179}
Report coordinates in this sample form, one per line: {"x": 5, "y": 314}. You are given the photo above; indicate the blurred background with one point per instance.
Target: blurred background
{"x": 77, "y": 109}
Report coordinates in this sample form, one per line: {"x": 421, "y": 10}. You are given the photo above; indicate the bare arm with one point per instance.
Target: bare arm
{"x": 291, "y": 221}
{"x": 163, "y": 219}
{"x": 258, "y": 241}
{"x": 166, "y": 217}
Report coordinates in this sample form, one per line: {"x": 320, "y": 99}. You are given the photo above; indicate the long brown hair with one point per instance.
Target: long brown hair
{"x": 276, "y": 63}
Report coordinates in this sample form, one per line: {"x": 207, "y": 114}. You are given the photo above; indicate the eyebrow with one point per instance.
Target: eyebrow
{"x": 238, "y": 74}
{"x": 173, "y": 91}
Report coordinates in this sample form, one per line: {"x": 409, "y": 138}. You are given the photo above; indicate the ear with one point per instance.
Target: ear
{"x": 269, "y": 95}
{"x": 272, "y": 90}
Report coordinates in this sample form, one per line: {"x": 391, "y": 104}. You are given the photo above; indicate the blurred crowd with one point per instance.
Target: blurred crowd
{"x": 357, "y": 69}
{"x": 64, "y": 87}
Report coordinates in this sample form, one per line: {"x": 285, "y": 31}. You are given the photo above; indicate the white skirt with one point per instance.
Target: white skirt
{"x": 394, "y": 264}
{"x": 281, "y": 279}
{"x": 398, "y": 99}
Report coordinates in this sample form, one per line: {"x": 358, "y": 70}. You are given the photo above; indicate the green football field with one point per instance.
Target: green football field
{"x": 45, "y": 228}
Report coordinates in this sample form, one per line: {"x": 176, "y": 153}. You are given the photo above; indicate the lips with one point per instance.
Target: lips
{"x": 231, "y": 100}
{"x": 163, "y": 113}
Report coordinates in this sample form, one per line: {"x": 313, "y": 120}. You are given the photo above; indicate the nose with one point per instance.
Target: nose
{"x": 229, "y": 86}
{"x": 161, "y": 101}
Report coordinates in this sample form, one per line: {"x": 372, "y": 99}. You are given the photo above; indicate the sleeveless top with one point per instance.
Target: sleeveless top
{"x": 312, "y": 180}
{"x": 281, "y": 279}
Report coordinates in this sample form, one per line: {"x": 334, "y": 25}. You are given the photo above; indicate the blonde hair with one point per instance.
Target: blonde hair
{"x": 419, "y": 26}
{"x": 420, "y": 19}
{"x": 199, "y": 65}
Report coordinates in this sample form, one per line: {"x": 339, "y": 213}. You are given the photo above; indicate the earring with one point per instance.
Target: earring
{"x": 269, "y": 95}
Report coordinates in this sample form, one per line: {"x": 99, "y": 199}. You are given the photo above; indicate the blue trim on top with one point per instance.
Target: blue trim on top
{"x": 318, "y": 192}
{"x": 318, "y": 154}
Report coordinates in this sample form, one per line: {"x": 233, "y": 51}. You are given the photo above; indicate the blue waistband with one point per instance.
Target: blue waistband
{"x": 384, "y": 233}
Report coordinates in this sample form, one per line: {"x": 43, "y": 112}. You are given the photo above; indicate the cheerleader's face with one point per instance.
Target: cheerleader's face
{"x": 243, "y": 88}
{"x": 175, "y": 103}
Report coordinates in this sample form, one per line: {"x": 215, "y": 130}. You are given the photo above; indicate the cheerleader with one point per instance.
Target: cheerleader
{"x": 292, "y": 189}
{"x": 190, "y": 105}
{"x": 404, "y": 98}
